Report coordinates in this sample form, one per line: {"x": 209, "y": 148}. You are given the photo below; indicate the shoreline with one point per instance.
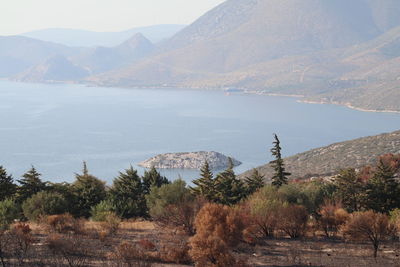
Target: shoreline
{"x": 243, "y": 91}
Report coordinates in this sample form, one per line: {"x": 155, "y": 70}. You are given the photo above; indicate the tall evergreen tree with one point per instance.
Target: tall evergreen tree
{"x": 229, "y": 189}
{"x": 205, "y": 184}
{"x": 383, "y": 194}
{"x": 153, "y": 178}
{"x": 350, "y": 190}
{"x": 280, "y": 176}
{"x": 127, "y": 195}
{"x": 89, "y": 191}
{"x": 30, "y": 184}
{"x": 254, "y": 182}
{"x": 7, "y": 186}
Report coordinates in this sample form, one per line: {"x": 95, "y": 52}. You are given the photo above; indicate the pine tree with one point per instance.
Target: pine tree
{"x": 89, "y": 191}
{"x": 281, "y": 176}
{"x": 153, "y": 178}
{"x": 382, "y": 194}
{"x": 350, "y": 190}
{"x": 30, "y": 184}
{"x": 205, "y": 184}
{"x": 127, "y": 194}
{"x": 229, "y": 189}
{"x": 254, "y": 182}
{"x": 7, "y": 186}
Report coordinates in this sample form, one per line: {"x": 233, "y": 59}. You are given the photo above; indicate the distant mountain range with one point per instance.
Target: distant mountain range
{"x": 329, "y": 160}
{"x": 74, "y": 37}
{"x": 343, "y": 52}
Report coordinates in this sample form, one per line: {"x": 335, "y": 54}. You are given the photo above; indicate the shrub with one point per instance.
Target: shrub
{"x": 368, "y": 226}
{"x": 293, "y": 220}
{"x": 8, "y": 213}
{"x": 72, "y": 249}
{"x": 20, "y": 241}
{"x": 146, "y": 244}
{"x": 173, "y": 205}
{"x": 44, "y": 203}
{"x": 218, "y": 229}
{"x": 100, "y": 212}
{"x": 111, "y": 223}
{"x": 332, "y": 216}
{"x": 65, "y": 223}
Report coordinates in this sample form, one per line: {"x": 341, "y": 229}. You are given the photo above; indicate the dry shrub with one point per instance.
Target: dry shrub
{"x": 175, "y": 249}
{"x": 146, "y": 244}
{"x": 111, "y": 224}
{"x": 368, "y": 226}
{"x": 127, "y": 254}
{"x": 218, "y": 229}
{"x": 65, "y": 223}
{"x": 293, "y": 220}
{"x": 333, "y": 216}
{"x": 20, "y": 241}
{"x": 72, "y": 249}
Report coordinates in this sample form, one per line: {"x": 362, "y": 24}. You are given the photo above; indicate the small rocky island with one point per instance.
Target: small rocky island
{"x": 189, "y": 160}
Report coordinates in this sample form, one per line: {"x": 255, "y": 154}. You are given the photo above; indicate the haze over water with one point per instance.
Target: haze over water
{"x": 56, "y": 127}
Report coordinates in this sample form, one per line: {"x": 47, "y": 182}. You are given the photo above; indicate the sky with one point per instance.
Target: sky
{"x": 19, "y": 16}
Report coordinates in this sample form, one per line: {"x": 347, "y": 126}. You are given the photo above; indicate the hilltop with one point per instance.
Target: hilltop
{"x": 327, "y": 161}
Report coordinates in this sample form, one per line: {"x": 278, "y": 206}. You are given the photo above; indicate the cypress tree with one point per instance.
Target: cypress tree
{"x": 89, "y": 191}
{"x": 7, "y": 186}
{"x": 153, "y": 178}
{"x": 254, "y": 182}
{"x": 30, "y": 184}
{"x": 127, "y": 195}
{"x": 350, "y": 190}
{"x": 205, "y": 184}
{"x": 383, "y": 194}
{"x": 281, "y": 176}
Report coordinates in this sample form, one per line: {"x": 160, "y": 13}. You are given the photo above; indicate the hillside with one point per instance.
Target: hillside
{"x": 319, "y": 49}
{"x": 329, "y": 160}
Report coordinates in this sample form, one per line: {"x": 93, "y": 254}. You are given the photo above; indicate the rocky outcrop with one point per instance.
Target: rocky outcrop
{"x": 189, "y": 160}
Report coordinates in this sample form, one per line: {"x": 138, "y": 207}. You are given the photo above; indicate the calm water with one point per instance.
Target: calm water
{"x": 56, "y": 127}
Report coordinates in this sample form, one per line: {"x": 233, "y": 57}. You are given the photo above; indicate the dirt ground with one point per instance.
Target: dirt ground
{"x": 270, "y": 252}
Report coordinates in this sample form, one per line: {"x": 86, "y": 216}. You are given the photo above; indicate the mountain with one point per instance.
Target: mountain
{"x": 82, "y": 38}
{"x": 327, "y": 161}
{"x": 305, "y": 47}
{"x": 102, "y": 59}
{"x": 54, "y": 69}
{"x": 20, "y": 53}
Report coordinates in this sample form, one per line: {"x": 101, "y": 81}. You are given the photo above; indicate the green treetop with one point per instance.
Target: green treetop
{"x": 7, "y": 186}
{"x": 254, "y": 182}
{"x": 127, "y": 195}
{"x": 205, "y": 184}
{"x": 30, "y": 184}
{"x": 153, "y": 178}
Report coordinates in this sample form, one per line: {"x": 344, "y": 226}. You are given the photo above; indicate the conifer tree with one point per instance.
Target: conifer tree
{"x": 205, "y": 184}
{"x": 382, "y": 194}
{"x": 254, "y": 182}
{"x": 350, "y": 190}
{"x": 7, "y": 186}
{"x": 153, "y": 178}
{"x": 127, "y": 195}
{"x": 89, "y": 191}
{"x": 229, "y": 189}
{"x": 280, "y": 176}
{"x": 30, "y": 184}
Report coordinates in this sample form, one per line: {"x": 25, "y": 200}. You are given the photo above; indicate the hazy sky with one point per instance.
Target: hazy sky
{"x": 18, "y": 16}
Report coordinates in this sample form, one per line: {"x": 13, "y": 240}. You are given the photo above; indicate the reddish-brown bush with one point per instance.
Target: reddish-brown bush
{"x": 146, "y": 244}
{"x": 368, "y": 226}
{"x": 65, "y": 223}
{"x": 332, "y": 217}
{"x": 293, "y": 220}
{"x": 72, "y": 249}
{"x": 20, "y": 241}
{"x": 218, "y": 229}
{"x": 130, "y": 255}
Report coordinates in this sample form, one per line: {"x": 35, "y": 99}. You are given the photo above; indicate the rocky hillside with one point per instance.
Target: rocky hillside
{"x": 329, "y": 160}
{"x": 189, "y": 160}
{"x": 316, "y": 48}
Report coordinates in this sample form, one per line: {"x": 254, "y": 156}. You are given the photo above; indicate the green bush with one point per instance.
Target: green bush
{"x": 8, "y": 213}
{"x": 100, "y": 212}
{"x": 44, "y": 203}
